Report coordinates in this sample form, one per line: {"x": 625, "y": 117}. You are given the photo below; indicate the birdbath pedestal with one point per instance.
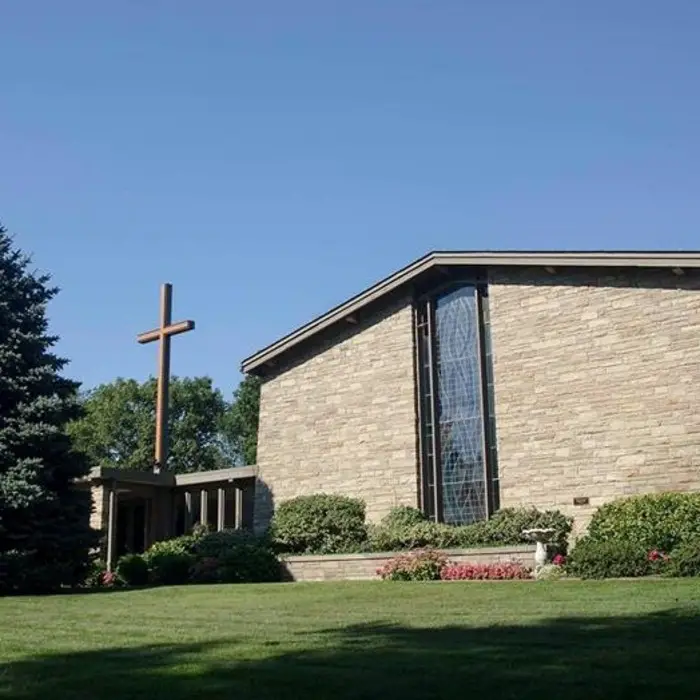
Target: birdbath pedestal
{"x": 542, "y": 536}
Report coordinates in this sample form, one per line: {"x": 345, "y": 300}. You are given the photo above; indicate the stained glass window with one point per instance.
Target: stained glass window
{"x": 458, "y": 454}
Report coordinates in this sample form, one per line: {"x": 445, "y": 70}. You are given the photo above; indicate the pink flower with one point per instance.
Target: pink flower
{"x": 498, "y": 571}
{"x": 559, "y": 560}
{"x": 109, "y": 578}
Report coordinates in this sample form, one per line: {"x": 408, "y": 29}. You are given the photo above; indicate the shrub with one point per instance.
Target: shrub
{"x": 169, "y": 568}
{"x": 169, "y": 561}
{"x": 249, "y": 563}
{"x": 498, "y": 571}
{"x": 403, "y": 516}
{"x": 178, "y": 545}
{"x": 229, "y": 556}
{"x": 96, "y": 571}
{"x": 684, "y": 560}
{"x": 216, "y": 544}
{"x": 655, "y": 521}
{"x": 614, "y": 559}
{"x": 549, "y": 572}
{"x": 504, "y": 528}
{"x": 234, "y": 556}
{"x": 205, "y": 570}
{"x": 422, "y": 565}
{"x": 319, "y": 524}
{"x": 417, "y": 536}
{"x": 133, "y": 570}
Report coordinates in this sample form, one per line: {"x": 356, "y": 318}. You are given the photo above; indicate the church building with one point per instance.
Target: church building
{"x": 472, "y": 381}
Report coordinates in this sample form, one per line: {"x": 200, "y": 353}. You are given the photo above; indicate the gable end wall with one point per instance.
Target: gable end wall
{"x": 597, "y": 383}
{"x": 342, "y": 420}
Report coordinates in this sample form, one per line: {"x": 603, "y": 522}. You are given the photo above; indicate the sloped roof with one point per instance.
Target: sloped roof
{"x": 482, "y": 259}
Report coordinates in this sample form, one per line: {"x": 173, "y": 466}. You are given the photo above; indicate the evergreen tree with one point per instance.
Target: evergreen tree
{"x": 45, "y": 534}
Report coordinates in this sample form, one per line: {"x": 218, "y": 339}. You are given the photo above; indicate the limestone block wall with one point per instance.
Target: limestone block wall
{"x": 362, "y": 567}
{"x": 342, "y": 420}
{"x": 99, "y": 507}
{"x": 597, "y": 385}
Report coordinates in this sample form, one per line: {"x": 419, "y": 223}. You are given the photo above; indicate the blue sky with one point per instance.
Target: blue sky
{"x": 271, "y": 159}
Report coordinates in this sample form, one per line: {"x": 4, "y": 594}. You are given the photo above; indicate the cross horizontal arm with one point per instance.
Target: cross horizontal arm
{"x": 179, "y": 327}
{"x": 149, "y": 336}
{"x": 172, "y": 329}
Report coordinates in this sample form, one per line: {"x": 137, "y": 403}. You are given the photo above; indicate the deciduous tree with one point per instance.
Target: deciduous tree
{"x": 240, "y": 425}
{"x": 118, "y": 428}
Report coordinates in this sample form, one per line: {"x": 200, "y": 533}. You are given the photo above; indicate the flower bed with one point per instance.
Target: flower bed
{"x": 506, "y": 571}
{"x": 432, "y": 565}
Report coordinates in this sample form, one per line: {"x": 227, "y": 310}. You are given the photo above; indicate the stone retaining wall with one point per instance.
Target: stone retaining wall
{"x": 359, "y": 567}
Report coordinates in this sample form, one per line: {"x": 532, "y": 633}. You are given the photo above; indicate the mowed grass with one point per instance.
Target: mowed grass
{"x": 615, "y": 639}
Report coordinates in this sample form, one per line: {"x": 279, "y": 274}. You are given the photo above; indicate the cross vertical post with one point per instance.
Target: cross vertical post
{"x": 163, "y": 334}
{"x": 163, "y": 395}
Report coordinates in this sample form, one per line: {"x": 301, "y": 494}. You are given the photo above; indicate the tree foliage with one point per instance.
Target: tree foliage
{"x": 45, "y": 534}
{"x": 118, "y": 428}
{"x": 241, "y": 422}
{"x": 205, "y": 431}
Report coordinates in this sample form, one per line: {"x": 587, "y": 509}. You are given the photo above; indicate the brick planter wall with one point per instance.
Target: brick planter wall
{"x": 359, "y": 567}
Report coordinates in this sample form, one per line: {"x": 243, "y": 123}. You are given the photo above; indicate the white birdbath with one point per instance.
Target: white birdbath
{"x": 542, "y": 536}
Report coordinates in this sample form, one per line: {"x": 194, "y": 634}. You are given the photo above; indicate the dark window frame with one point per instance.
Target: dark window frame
{"x": 430, "y": 477}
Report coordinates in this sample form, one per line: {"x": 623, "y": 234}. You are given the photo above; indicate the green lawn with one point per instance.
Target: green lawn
{"x": 636, "y": 639}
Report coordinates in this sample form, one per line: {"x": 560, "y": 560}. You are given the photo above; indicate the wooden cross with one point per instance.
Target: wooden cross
{"x": 163, "y": 334}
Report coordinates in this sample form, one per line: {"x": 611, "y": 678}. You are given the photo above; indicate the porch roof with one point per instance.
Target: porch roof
{"x": 167, "y": 479}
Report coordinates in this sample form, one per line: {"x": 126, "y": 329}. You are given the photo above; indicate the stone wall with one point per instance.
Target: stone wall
{"x": 360, "y": 567}
{"x": 342, "y": 420}
{"x": 597, "y": 382}
{"x": 99, "y": 507}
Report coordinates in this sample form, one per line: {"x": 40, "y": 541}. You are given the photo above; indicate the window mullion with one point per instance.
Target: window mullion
{"x": 434, "y": 417}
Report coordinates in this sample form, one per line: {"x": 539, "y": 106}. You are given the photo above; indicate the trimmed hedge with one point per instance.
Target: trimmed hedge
{"x": 169, "y": 562}
{"x": 132, "y": 569}
{"x": 660, "y": 521}
{"x": 641, "y": 535}
{"x": 234, "y": 556}
{"x": 327, "y": 524}
{"x": 613, "y": 559}
{"x": 505, "y": 527}
{"x": 229, "y": 556}
{"x": 403, "y": 516}
{"x": 319, "y": 524}
{"x": 684, "y": 560}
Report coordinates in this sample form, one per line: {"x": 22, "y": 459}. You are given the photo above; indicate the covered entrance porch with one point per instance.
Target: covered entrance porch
{"x": 135, "y": 509}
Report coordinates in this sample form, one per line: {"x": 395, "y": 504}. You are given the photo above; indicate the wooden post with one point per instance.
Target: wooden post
{"x": 111, "y": 527}
{"x": 188, "y": 511}
{"x": 163, "y": 391}
{"x": 220, "y": 505}
{"x": 163, "y": 333}
{"x": 203, "y": 507}
{"x": 238, "y": 507}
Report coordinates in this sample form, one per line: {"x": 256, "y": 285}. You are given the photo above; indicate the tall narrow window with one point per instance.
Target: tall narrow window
{"x": 458, "y": 458}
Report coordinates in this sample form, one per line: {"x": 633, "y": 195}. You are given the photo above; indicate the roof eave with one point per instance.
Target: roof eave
{"x": 466, "y": 259}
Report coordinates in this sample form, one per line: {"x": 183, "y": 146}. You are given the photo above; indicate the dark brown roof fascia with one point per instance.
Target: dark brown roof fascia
{"x": 664, "y": 259}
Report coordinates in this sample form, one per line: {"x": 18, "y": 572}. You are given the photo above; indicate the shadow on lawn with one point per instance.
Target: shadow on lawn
{"x": 642, "y": 657}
